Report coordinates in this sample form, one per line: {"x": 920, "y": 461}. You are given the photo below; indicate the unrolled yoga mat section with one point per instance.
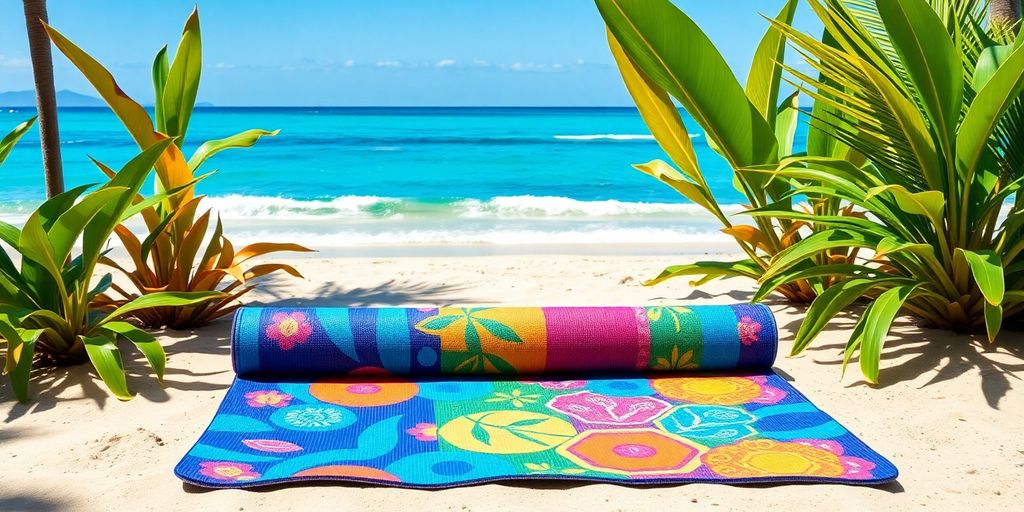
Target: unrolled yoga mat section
{"x": 441, "y": 397}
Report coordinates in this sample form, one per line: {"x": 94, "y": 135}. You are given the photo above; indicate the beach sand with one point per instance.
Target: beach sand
{"x": 948, "y": 413}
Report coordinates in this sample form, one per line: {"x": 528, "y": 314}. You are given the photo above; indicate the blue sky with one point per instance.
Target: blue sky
{"x": 382, "y": 52}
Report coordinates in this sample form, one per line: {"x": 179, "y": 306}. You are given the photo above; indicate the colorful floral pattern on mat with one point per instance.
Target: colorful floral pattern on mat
{"x": 439, "y": 432}
{"x": 336, "y": 341}
{"x": 452, "y": 396}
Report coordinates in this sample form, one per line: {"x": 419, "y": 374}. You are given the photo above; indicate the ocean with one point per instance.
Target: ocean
{"x": 352, "y": 177}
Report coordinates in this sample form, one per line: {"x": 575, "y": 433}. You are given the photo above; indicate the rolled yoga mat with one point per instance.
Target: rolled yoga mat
{"x": 443, "y": 397}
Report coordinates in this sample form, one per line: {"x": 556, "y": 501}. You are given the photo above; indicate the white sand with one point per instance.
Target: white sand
{"x": 950, "y": 415}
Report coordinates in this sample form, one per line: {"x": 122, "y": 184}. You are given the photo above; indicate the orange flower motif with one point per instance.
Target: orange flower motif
{"x": 765, "y": 457}
{"x": 288, "y": 329}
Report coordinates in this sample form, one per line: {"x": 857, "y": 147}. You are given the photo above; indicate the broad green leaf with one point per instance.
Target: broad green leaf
{"x": 877, "y": 319}
{"x": 34, "y": 245}
{"x": 929, "y": 203}
{"x": 993, "y": 320}
{"x": 931, "y": 61}
{"x": 70, "y": 225}
{"x": 106, "y": 358}
{"x": 827, "y": 305}
{"x": 988, "y": 62}
{"x": 498, "y": 330}
{"x": 131, "y": 114}
{"x": 239, "y": 140}
{"x": 21, "y": 349}
{"x": 744, "y": 268}
{"x": 658, "y": 112}
{"x": 160, "y": 299}
{"x": 987, "y": 269}
{"x": 179, "y": 94}
{"x": 815, "y": 244}
{"x": 9, "y": 140}
{"x": 671, "y": 50}
{"x": 666, "y": 174}
{"x": 766, "y": 69}
{"x": 984, "y": 113}
{"x": 55, "y": 206}
{"x": 786, "y": 121}
{"x": 837, "y": 269}
{"x": 145, "y": 342}
{"x": 160, "y": 70}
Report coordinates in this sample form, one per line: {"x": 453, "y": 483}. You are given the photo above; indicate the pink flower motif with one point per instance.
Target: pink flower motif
{"x": 769, "y": 394}
{"x": 593, "y": 408}
{"x": 561, "y": 384}
{"x": 855, "y": 468}
{"x": 749, "y": 330}
{"x": 288, "y": 329}
{"x": 229, "y": 471}
{"x": 271, "y": 445}
{"x": 423, "y": 431}
{"x": 267, "y": 398}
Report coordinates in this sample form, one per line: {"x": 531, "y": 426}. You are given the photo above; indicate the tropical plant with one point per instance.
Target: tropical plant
{"x": 9, "y": 140}
{"x": 46, "y": 97}
{"x": 662, "y": 54}
{"x": 168, "y": 258}
{"x": 933, "y": 95}
{"x": 45, "y": 305}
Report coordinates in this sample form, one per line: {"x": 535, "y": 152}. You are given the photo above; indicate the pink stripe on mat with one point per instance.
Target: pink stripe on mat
{"x": 573, "y": 333}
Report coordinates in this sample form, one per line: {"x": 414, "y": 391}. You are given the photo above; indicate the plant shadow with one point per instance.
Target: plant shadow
{"x": 914, "y": 352}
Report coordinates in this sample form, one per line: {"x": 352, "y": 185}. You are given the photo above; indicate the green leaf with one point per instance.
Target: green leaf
{"x": 985, "y": 112}
{"x": 993, "y": 320}
{"x": 815, "y": 271}
{"x": 160, "y": 299}
{"x": 34, "y": 245}
{"x": 827, "y": 305}
{"x": 766, "y": 70}
{"x": 179, "y": 95}
{"x": 500, "y": 364}
{"x": 989, "y": 61}
{"x": 498, "y": 330}
{"x": 987, "y": 269}
{"x": 106, "y": 359}
{"x": 743, "y": 268}
{"x": 818, "y": 243}
{"x": 666, "y": 174}
{"x": 160, "y": 70}
{"x": 931, "y": 61}
{"x": 9, "y": 140}
{"x": 21, "y": 349}
{"x": 145, "y": 342}
{"x": 877, "y": 319}
{"x": 658, "y": 112}
{"x": 527, "y": 423}
{"x": 929, "y": 203}
{"x": 239, "y": 140}
{"x": 70, "y": 225}
{"x": 670, "y": 49}
{"x": 480, "y": 433}
{"x": 786, "y": 122}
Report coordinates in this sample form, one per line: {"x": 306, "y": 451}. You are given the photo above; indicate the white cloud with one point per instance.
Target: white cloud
{"x": 223, "y": 65}
{"x": 349, "y": 63}
{"x": 481, "y": 63}
{"x": 444, "y": 63}
{"x": 15, "y": 62}
{"x": 579, "y": 62}
{"x": 388, "y": 64}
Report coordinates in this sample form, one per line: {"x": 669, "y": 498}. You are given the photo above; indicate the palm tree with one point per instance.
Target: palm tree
{"x": 1005, "y": 13}
{"x": 46, "y": 97}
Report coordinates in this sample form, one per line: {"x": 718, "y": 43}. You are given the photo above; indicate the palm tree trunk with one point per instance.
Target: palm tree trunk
{"x": 46, "y": 97}
{"x": 1005, "y": 13}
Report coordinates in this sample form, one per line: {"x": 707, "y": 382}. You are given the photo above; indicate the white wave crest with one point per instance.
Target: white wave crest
{"x": 613, "y": 136}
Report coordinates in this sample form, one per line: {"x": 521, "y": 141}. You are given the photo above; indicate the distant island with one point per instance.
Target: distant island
{"x": 65, "y": 98}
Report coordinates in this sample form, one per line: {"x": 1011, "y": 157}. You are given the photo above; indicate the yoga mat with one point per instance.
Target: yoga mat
{"x": 441, "y": 397}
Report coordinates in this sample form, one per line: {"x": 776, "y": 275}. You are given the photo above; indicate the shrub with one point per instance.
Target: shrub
{"x": 662, "y": 54}
{"x": 934, "y": 97}
{"x": 45, "y": 303}
{"x": 171, "y": 256}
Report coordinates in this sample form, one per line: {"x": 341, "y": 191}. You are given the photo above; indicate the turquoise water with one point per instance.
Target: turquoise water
{"x": 393, "y": 176}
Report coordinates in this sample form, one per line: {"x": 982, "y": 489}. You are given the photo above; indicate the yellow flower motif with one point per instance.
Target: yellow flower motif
{"x": 675, "y": 312}
{"x": 676, "y": 361}
{"x": 516, "y": 398}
